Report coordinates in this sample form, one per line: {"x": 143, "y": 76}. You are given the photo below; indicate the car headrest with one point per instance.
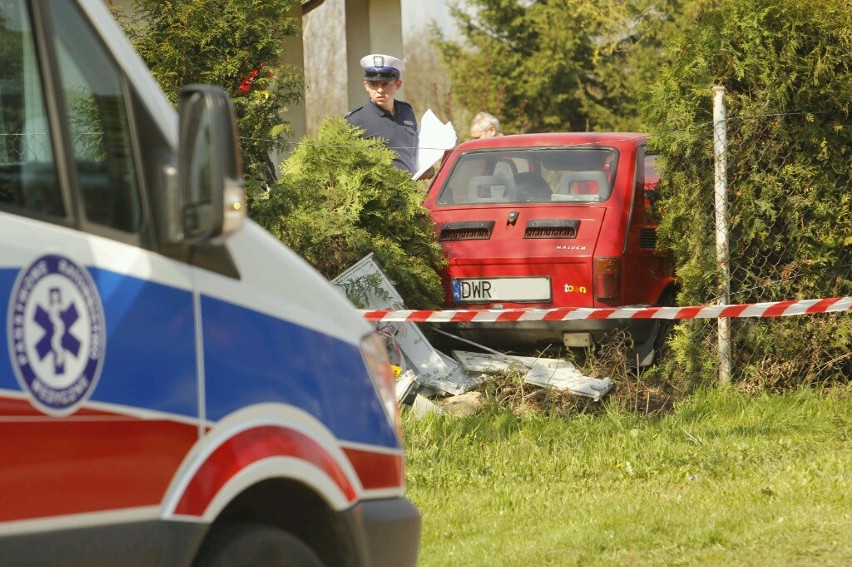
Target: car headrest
{"x": 491, "y": 189}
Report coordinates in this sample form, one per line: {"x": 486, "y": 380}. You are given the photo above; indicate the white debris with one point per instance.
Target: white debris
{"x": 424, "y": 406}
{"x": 375, "y": 291}
{"x": 406, "y": 387}
{"x": 430, "y": 370}
{"x": 544, "y": 372}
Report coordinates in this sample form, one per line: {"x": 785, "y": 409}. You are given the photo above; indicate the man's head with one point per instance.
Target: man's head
{"x": 382, "y": 78}
{"x": 485, "y": 125}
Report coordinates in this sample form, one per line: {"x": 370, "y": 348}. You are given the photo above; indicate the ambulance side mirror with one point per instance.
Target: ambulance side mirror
{"x": 210, "y": 191}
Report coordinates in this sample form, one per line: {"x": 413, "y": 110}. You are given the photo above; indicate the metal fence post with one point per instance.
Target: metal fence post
{"x": 720, "y": 142}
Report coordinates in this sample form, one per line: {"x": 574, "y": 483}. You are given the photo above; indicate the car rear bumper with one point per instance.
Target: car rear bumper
{"x": 541, "y": 333}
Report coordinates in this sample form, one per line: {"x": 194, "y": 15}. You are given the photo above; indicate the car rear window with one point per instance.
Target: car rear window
{"x": 530, "y": 175}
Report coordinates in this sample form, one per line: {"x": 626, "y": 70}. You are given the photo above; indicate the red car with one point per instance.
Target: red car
{"x": 552, "y": 220}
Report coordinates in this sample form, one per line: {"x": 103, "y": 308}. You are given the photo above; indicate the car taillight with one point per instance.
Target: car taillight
{"x": 607, "y": 278}
{"x": 378, "y": 364}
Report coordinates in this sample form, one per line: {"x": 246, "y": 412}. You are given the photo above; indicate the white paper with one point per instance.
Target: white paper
{"x": 434, "y": 139}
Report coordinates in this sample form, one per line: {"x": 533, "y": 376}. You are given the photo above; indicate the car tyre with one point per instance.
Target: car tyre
{"x": 661, "y": 346}
{"x": 255, "y": 545}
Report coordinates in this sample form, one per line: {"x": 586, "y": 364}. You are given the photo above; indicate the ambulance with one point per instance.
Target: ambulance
{"x": 179, "y": 388}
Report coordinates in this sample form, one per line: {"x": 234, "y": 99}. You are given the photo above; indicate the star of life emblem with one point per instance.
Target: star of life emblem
{"x": 57, "y": 335}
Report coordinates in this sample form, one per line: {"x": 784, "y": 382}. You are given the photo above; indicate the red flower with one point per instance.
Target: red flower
{"x": 246, "y": 84}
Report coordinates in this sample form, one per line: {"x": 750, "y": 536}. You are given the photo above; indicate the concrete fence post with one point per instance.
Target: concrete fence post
{"x": 720, "y": 142}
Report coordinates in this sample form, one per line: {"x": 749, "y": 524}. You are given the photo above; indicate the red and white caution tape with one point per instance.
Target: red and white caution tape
{"x": 771, "y": 309}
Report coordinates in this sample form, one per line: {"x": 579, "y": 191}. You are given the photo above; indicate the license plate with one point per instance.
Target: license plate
{"x": 501, "y": 289}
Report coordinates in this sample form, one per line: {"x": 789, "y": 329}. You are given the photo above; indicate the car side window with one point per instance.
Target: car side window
{"x": 28, "y": 179}
{"x": 100, "y": 129}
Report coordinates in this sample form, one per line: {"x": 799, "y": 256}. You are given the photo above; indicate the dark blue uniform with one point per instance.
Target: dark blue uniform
{"x": 399, "y": 129}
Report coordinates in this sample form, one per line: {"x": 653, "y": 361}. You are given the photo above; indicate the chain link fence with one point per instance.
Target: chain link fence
{"x": 36, "y": 147}
{"x": 19, "y": 148}
{"x": 782, "y": 217}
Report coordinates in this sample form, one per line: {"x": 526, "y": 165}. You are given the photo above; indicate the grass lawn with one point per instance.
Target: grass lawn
{"x": 724, "y": 479}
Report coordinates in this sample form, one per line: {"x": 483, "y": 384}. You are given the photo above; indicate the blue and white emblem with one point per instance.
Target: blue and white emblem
{"x": 457, "y": 290}
{"x": 57, "y": 336}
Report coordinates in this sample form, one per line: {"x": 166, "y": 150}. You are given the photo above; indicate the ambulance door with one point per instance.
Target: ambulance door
{"x": 99, "y": 390}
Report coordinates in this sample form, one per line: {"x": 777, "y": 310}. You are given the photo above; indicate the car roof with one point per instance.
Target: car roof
{"x": 553, "y": 139}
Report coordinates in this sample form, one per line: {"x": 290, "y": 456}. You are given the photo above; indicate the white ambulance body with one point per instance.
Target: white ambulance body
{"x": 180, "y": 388}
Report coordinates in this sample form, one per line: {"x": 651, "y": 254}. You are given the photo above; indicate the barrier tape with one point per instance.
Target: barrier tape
{"x": 770, "y": 309}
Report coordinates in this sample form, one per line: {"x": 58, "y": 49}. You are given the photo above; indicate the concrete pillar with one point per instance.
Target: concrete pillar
{"x": 294, "y": 54}
{"x": 326, "y": 80}
{"x": 371, "y": 26}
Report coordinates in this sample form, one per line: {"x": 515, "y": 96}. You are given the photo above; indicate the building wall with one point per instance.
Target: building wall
{"x": 367, "y": 26}
{"x": 372, "y": 26}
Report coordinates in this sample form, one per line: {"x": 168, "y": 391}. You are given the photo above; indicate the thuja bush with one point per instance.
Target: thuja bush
{"x": 340, "y": 198}
{"x": 787, "y": 75}
{"x": 235, "y": 44}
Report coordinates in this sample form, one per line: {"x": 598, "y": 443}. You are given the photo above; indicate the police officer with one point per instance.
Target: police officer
{"x": 384, "y": 116}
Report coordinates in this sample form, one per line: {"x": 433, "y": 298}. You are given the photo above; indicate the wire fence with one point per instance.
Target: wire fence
{"x": 782, "y": 214}
{"x": 18, "y": 148}
{"x": 36, "y": 146}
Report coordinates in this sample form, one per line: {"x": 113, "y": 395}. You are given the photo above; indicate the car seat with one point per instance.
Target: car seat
{"x": 491, "y": 189}
{"x": 582, "y": 185}
{"x": 531, "y": 187}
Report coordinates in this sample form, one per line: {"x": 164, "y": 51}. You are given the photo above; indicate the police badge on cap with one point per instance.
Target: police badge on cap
{"x": 378, "y": 67}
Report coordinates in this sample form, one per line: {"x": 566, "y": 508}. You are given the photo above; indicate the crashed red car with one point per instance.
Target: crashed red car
{"x": 547, "y": 221}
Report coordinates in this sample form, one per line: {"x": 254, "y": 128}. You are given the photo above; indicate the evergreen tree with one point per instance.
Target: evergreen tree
{"x": 340, "y": 198}
{"x": 235, "y": 44}
{"x": 787, "y": 71}
{"x": 571, "y": 65}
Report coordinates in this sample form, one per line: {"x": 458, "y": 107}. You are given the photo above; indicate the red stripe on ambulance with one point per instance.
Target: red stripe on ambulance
{"x": 88, "y": 462}
{"x": 251, "y": 446}
{"x": 376, "y": 470}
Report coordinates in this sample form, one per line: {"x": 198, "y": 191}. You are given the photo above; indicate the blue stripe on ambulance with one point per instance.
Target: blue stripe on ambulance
{"x": 254, "y": 358}
{"x": 7, "y": 377}
{"x": 150, "y": 354}
{"x": 149, "y": 361}
{"x": 249, "y": 358}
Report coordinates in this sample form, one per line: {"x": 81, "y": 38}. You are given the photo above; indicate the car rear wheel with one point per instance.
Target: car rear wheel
{"x": 256, "y": 545}
{"x": 655, "y": 347}
{"x": 661, "y": 346}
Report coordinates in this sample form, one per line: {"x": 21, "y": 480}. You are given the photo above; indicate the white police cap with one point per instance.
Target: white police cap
{"x": 378, "y": 67}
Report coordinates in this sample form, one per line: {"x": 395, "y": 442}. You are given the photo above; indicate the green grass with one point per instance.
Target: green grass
{"x": 724, "y": 479}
